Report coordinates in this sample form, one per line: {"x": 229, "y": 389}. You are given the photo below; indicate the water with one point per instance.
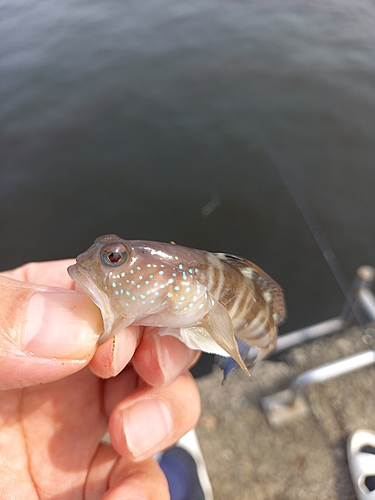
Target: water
{"x": 153, "y": 120}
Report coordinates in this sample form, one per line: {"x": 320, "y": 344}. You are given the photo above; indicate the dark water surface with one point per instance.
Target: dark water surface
{"x": 152, "y": 120}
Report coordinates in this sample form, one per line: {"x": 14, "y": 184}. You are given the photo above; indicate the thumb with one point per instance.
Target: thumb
{"x": 46, "y": 333}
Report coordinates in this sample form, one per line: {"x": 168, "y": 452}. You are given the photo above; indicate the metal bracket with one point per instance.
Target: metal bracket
{"x": 284, "y": 406}
{"x": 288, "y": 404}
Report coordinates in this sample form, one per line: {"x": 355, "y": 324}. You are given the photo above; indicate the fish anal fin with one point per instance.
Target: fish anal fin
{"x": 271, "y": 291}
{"x": 219, "y": 325}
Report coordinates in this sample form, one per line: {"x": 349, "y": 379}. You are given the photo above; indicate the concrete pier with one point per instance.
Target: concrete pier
{"x": 304, "y": 458}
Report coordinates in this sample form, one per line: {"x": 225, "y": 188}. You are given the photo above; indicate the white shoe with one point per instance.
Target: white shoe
{"x": 361, "y": 459}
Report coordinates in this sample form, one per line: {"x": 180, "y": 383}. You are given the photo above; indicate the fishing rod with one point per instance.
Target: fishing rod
{"x": 318, "y": 236}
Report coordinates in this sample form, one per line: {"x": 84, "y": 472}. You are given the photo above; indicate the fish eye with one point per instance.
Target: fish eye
{"x": 114, "y": 255}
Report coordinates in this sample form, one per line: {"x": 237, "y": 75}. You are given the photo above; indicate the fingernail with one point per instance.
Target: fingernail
{"x": 146, "y": 425}
{"x": 61, "y": 325}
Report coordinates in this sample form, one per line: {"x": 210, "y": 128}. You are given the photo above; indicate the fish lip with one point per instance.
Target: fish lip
{"x": 100, "y": 299}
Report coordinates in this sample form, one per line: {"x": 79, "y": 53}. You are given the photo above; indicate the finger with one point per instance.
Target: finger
{"x": 115, "y": 353}
{"x": 53, "y": 331}
{"x": 52, "y": 273}
{"x": 161, "y": 359}
{"x": 118, "y": 388}
{"x": 142, "y": 481}
{"x": 96, "y": 483}
{"x": 153, "y": 418}
{"x": 118, "y": 479}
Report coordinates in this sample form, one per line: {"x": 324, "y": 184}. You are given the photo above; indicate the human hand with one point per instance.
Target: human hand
{"x": 54, "y": 408}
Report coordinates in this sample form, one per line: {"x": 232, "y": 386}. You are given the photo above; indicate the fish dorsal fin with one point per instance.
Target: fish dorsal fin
{"x": 271, "y": 291}
{"x": 218, "y": 324}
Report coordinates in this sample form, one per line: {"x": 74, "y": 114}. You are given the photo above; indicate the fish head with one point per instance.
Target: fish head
{"x": 93, "y": 272}
{"x": 131, "y": 280}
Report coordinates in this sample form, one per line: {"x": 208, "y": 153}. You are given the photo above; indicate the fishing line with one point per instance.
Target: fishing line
{"x": 316, "y": 232}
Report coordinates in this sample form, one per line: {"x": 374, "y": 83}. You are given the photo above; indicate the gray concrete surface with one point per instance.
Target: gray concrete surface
{"x": 302, "y": 460}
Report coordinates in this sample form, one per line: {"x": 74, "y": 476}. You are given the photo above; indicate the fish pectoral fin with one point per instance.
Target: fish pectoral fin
{"x": 219, "y": 326}
{"x": 213, "y": 334}
{"x": 195, "y": 337}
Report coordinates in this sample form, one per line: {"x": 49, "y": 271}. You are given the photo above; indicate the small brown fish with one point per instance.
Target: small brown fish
{"x": 207, "y": 300}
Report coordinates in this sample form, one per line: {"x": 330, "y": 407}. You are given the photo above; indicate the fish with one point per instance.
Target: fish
{"x": 210, "y": 301}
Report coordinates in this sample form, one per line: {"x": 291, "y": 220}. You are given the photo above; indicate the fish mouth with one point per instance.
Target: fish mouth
{"x": 97, "y": 296}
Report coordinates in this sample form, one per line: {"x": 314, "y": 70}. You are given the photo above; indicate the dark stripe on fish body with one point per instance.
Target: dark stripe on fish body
{"x": 215, "y": 276}
{"x": 259, "y": 325}
{"x": 231, "y": 288}
{"x": 244, "y": 302}
{"x": 256, "y": 307}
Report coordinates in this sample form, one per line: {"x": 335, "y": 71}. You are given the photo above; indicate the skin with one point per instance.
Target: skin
{"x": 58, "y": 396}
